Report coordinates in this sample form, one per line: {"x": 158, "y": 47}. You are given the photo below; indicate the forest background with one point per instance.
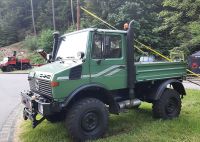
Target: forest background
{"x": 162, "y": 24}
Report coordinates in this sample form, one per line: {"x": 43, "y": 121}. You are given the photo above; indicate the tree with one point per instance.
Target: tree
{"x": 144, "y": 12}
{"x": 181, "y": 20}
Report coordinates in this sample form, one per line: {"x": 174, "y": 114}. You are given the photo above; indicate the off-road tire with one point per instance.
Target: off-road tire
{"x": 3, "y": 69}
{"x": 87, "y": 120}
{"x": 168, "y": 106}
{"x": 25, "y": 67}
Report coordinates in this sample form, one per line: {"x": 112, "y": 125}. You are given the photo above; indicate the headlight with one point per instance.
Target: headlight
{"x": 31, "y": 74}
{"x": 40, "y": 108}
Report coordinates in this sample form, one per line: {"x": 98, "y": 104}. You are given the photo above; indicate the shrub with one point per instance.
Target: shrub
{"x": 31, "y": 42}
{"x": 36, "y": 58}
{"x": 45, "y": 40}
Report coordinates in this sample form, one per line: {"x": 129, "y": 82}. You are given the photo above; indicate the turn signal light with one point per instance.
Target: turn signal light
{"x": 54, "y": 84}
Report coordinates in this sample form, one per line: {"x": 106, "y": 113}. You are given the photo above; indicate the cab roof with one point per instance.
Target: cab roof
{"x": 98, "y": 30}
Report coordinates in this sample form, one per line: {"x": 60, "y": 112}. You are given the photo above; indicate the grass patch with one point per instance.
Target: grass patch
{"x": 135, "y": 125}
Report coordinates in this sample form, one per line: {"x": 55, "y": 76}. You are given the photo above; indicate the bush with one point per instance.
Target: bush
{"x": 31, "y": 42}
{"x": 45, "y": 40}
{"x": 36, "y": 58}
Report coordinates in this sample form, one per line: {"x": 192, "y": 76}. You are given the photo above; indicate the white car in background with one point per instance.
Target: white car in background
{"x": 147, "y": 59}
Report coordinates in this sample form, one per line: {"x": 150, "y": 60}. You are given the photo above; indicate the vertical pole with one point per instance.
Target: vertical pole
{"x": 78, "y": 15}
{"x": 53, "y": 11}
{"x": 33, "y": 19}
{"x": 72, "y": 12}
{"x": 21, "y": 64}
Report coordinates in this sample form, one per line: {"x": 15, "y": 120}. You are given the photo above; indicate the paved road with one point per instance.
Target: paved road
{"x": 189, "y": 85}
{"x": 10, "y": 87}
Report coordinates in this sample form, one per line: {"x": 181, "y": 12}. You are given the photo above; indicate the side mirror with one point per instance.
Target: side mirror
{"x": 81, "y": 55}
{"x": 43, "y": 53}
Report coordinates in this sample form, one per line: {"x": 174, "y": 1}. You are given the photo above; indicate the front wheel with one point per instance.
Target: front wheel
{"x": 3, "y": 69}
{"x": 87, "y": 119}
{"x": 168, "y": 106}
{"x": 9, "y": 68}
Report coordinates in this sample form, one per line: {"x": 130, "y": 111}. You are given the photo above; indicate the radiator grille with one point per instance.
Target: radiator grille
{"x": 41, "y": 87}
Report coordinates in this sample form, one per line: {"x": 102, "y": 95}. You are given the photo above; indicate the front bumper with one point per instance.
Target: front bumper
{"x": 36, "y": 104}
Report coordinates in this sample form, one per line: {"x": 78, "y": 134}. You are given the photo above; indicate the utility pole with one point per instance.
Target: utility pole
{"x": 53, "y": 11}
{"x": 33, "y": 19}
{"x": 78, "y": 15}
{"x": 72, "y": 11}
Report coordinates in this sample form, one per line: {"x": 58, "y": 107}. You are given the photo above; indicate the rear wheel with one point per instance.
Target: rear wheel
{"x": 25, "y": 66}
{"x": 168, "y": 106}
{"x": 87, "y": 120}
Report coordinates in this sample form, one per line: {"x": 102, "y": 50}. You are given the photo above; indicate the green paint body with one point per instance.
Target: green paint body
{"x": 92, "y": 72}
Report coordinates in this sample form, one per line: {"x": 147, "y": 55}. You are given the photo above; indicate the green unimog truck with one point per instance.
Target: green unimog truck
{"x": 93, "y": 73}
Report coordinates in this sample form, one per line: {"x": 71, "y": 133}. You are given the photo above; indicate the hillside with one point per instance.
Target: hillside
{"x": 22, "y": 52}
{"x": 8, "y": 51}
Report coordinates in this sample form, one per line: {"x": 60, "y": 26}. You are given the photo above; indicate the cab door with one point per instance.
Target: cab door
{"x": 107, "y": 64}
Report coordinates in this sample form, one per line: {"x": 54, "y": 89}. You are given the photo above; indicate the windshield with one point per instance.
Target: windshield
{"x": 72, "y": 44}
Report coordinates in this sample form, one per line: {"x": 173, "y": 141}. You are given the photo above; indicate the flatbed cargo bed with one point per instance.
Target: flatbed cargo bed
{"x": 159, "y": 70}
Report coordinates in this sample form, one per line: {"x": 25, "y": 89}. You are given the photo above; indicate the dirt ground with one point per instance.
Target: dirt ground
{"x": 8, "y": 50}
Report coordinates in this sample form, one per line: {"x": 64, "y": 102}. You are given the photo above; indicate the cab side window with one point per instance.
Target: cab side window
{"x": 107, "y": 46}
{"x": 97, "y": 49}
{"x": 113, "y": 46}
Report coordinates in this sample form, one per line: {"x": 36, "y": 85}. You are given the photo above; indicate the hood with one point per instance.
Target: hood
{"x": 2, "y": 63}
{"x": 54, "y": 68}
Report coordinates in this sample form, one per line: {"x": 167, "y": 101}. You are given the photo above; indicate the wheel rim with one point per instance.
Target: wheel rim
{"x": 171, "y": 106}
{"x": 90, "y": 121}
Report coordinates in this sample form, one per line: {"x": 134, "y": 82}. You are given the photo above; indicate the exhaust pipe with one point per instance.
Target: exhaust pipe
{"x": 129, "y": 103}
{"x": 55, "y": 45}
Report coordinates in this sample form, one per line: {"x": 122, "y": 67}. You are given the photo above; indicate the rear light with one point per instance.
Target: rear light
{"x": 194, "y": 65}
{"x": 54, "y": 84}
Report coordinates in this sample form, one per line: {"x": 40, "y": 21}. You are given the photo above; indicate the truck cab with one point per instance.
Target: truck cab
{"x": 92, "y": 72}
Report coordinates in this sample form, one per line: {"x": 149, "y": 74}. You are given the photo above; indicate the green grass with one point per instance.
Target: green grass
{"x": 135, "y": 125}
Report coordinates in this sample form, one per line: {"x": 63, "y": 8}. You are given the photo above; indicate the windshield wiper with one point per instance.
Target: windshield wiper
{"x": 73, "y": 58}
{"x": 70, "y": 57}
